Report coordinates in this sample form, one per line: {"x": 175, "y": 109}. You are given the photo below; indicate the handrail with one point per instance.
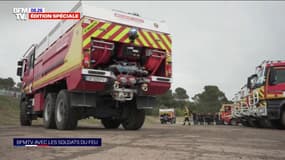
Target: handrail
{"x": 29, "y": 50}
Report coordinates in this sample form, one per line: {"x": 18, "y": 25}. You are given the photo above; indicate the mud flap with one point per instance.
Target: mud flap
{"x": 145, "y": 102}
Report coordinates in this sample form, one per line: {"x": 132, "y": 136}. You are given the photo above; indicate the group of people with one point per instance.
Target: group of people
{"x": 199, "y": 118}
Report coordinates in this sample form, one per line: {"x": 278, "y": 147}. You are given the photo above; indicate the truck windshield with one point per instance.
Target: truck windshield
{"x": 280, "y": 76}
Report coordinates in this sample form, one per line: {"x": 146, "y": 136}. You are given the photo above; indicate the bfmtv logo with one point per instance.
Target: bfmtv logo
{"x": 22, "y": 13}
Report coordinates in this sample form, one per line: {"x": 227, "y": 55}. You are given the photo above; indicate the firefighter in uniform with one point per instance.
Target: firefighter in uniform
{"x": 186, "y": 116}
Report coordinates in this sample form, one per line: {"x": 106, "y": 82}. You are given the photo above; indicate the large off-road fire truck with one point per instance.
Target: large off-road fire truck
{"x": 108, "y": 65}
{"x": 267, "y": 95}
{"x": 243, "y": 109}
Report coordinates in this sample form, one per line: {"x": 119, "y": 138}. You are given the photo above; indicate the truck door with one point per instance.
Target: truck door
{"x": 276, "y": 83}
{"x": 29, "y": 71}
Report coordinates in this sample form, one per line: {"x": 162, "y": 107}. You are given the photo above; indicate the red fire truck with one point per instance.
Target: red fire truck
{"x": 267, "y": 95}
{"x": 108, "y": 65}
{"x": 227, "y": 114}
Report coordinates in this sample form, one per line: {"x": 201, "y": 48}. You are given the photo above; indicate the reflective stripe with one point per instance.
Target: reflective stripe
{"x": 142, "y": 40}
{"x": 101, "y": 29}
{"x": 164, "y": 43}
{"x": 92, "y": 29}
{"x": 89, "y": 27}
{"x": 158, "y": 40}
{"x": 149, "y": 39}
{"x": 110, "y": 33}
{"x": 119, "y": 33}
{"x": 124, "y": 32}
{"x": 145, "y": 39}
{"x": 166, "y": 40}
{"x": 96, "y": 33}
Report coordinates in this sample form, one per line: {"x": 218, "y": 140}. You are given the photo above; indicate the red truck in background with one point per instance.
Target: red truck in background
{"x": 227, "y": 114}
{"x": 108, "y": 65}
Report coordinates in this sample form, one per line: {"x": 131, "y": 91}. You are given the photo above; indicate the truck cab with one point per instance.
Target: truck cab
{"x": 267, "y": 96}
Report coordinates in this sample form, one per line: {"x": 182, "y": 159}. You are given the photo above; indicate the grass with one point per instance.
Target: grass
{"x": 9, "y": 114}
{"x": 9, "y": 110}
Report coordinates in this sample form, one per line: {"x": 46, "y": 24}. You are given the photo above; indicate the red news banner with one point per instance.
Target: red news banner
{"x": 54, "y": 15}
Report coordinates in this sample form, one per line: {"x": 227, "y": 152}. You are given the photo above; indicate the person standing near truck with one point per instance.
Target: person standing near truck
{"x": 186, "y": 116}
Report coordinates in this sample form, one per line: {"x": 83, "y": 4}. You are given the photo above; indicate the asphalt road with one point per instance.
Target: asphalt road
{"x": 153, "y": 141}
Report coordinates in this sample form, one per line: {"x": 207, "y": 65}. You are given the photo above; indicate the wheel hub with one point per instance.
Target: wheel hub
{"x": 59, "y": 111}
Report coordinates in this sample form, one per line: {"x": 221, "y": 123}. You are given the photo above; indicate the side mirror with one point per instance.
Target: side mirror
{"x": 19, "y": 71}
{"x": 20, "y": 63}
{"x": 248, "y": 84}
{"x": 272, "y": 76}
{"x": 249, "y": 81}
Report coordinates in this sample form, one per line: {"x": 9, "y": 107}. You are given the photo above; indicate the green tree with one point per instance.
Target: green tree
{"x": 166, "y": 99}
{"x": 181, "y": 97}
{"x": 181, "y": 94}
{"x": 169, "y": 99}
{"x": 7, "y": 83}
{"x": 18, "y": 86}
{"x": 210, "y": 100}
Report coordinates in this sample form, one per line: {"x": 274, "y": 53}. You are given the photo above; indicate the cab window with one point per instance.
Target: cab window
{"x": 280, "y": 76}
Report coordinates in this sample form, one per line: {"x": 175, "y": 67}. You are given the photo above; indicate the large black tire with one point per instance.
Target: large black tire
{"x": 49, "y": 111}
{"x": 25, "y": 119}
{"x": 109, "y": 123}
{"x": 253, "y": 123}
{"x": 245, "y": 123}
{"x": 265, "y": 123}
{"x": 135, "y": 118}
{"x": 276, "y": 124}
{"x": 65, "y": 115}
{"x": 282, "y": 119}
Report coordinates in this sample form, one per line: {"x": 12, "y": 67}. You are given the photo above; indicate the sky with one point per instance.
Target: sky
{"x": 214, "y": 43}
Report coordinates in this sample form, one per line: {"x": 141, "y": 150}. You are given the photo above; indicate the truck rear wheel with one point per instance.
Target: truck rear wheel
{"x": 253, "y": 123}
{"x": 110, "y": 123}
{"x": 65, "y": 116}
{"x": 282, "y": 119}
{"x": 49, "y": 109}
{"x": 25, "y": 119}
{"x": 245, "y": 123}
{"x": 135, "y": 118}
{"x": 264, "y": 123}
{"x": 276, "y": 124}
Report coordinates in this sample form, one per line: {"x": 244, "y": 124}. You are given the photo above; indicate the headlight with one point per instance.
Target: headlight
{"x": 144, "y": 87}
{"x": 116, "y": 85}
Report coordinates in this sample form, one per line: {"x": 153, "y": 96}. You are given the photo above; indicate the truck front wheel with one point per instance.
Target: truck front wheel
{"x": 65, "y": 115}
{"x": 245, "y": 123}
{"x": 110, "y": 123}
{"x": 25, "y": 119}
{"x": 282, "y": 119}
{"x": 49, "y": 109}
{"x": 253, "y": 123}
{"x": 135, "y": 119}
